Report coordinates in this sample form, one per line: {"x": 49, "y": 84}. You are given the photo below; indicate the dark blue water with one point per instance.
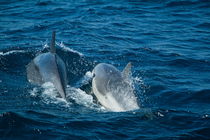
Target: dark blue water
{"x": 168, "y": 43}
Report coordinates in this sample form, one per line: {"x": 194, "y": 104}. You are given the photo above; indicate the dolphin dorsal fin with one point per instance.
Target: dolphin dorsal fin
{"x": 52, "y": 46}
{"x": 126, "y": 73}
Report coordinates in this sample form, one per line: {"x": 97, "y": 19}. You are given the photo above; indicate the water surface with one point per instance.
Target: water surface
{"x": 166, "y": 41}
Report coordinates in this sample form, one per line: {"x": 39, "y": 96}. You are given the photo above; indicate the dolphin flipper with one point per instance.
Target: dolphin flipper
{"x": 33, "y": 74}
{"x": 126, "y": 73}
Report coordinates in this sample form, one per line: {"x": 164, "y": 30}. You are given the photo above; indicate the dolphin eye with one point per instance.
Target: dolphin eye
{"x": 94, "y": 75}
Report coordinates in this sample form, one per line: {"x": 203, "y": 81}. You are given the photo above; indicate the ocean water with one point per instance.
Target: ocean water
{"x": 167, "y": 42}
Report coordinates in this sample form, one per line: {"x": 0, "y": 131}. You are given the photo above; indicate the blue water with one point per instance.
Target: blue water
{"x": 167, "y": 41}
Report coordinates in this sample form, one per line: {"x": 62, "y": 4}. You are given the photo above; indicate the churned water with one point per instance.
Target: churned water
{"x": 167, "y": 41}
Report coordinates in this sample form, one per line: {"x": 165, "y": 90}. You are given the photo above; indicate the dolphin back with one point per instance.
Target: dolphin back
{"x": 48, "y": 67}
{"x": 33, "y": 74}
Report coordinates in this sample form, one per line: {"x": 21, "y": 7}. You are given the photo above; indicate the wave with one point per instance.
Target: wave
{"x": 175, "y": 3}
{"x": 11, "y": 52}
{"x": 61, "y": 44}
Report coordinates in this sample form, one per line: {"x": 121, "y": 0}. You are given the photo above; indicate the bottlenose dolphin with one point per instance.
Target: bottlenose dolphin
{"x": 48, "y": 67}
{"x": 113, "y": 88}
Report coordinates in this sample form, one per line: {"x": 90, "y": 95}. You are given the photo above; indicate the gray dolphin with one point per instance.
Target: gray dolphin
{"x": 113, "y": 88}
{"x": 48, "y": 67}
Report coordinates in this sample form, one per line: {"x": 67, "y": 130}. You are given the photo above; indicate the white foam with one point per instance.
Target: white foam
{"x": 61, "y": 44}
{"x": 88, "y": 76}
{"x": 34, "y": 92}
{"x": 205, "y": 116}
{"x": 160, "y": 114}
{"x": 11, "y": 52}
{"x": 80, "y": 97}
{"x": 45, "y": 46}
{"x": 138, "y": 79}
{"x": 49, "y": 95}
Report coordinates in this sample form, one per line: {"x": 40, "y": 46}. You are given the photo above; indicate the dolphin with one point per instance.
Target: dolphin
{"x": 113, "y": 89}
{"x": 48, "y": 67}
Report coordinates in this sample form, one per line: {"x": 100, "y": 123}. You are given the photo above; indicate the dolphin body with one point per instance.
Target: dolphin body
{"x": 113, "y": 88}
{"x": 48, "y": 67}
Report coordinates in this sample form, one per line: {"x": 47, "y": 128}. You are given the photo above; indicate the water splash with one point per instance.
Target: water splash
{"x": 82, "y": 98}
{"x": 34, "y": 92}
{"x": 49, "y": 95}
{"x": 11, "y": 52}
{"x": 61, "y": 44}
{"x": 139, "y": 89}
{"x": 45, "y": 45}
{"x": 87, "y": 77}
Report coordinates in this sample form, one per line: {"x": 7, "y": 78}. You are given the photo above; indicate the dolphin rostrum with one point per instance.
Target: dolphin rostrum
{"x": 48, "y": 67}
{"x": 113, "y": 89}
